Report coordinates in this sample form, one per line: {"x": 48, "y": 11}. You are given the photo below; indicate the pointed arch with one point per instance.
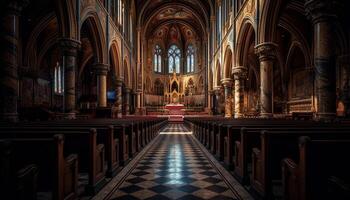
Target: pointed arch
{"x": 228, "y": 58}
{"x": 268, "y": 20}
{"x": 115, "y": 59}
{"x": 94, "y": 26}
{"x": 66, "y": 18}
{"x": 246, "y": 30}
{"x": 32, "y": 54}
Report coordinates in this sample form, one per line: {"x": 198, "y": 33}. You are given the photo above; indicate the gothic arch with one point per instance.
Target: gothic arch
{"x": 268, "y": 20}
{"x": 93, "y": 23}
{"x": 66, "y": 18}
{"x": 148, "y": 2}
{"x": 246, "y": 30}
{"x": 228, "y": 62}
{"x": 114, "y": 58}
{"x": 293, "y": 48}
{"x": 170, "y": 5}
{"x": 33, "y": 55}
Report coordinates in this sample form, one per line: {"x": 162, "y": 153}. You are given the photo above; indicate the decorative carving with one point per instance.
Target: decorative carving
{"x": 240, "y": 73}
{"x": 320, "y": 10}
{"x": 101, "y": 69}
{"x": 69, "y": 46}
{"x": 266, "y": 51}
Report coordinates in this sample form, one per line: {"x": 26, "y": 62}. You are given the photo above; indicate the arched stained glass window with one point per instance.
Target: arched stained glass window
{"x": 157, "y": 60}
{"x": 190, "y": 59}
{"x": 58, "y": 81}
{"x": 174, "y": 59}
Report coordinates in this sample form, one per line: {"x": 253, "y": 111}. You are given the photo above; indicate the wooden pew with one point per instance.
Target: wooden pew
{"x": 132, "y": 134}
{"x": 318, "y": 164}
{"x": 276, "y": 145}
{"x": 250, "y": 138}
{"x": 141, "y": 127}
{"x": 16, "y": 183}
{"x": 56, "y": 174}
{"x": 78, "y": 140}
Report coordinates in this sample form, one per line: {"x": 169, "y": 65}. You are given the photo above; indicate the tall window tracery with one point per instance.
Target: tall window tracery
{"x": 190, "y": 59}
{"x": 174, "y": 59}
{"x": 58, "y": 81}
{"x": 157, "y": 60}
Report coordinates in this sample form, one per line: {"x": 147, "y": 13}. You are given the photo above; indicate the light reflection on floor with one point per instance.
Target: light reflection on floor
{"x": 175, "y": 160}
{"x": 176, "y": 129}
{"x": 174, "y": 168}
{"x": 176, "y": 133}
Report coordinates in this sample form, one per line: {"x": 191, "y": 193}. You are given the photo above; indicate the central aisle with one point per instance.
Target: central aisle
{"x": 174, "y": 167}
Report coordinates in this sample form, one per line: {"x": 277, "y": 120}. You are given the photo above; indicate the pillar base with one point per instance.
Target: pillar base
{"x": 9, "y": 117}
{"x": 324, "y": 117}
{"x": 266, "y": 115}
{"x": 70, "y": 115}
{"x": 208, "y": 110}
{"x": 238, "y": 115}
{"x": 141, "y": 111}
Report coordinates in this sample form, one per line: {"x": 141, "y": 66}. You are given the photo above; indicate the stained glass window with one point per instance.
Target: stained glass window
{"x": 190, "y": 59}
{"x": 157, "y": 60}
{"x": 174, "y": 59}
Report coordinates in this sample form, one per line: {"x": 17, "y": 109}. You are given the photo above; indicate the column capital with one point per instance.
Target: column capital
{"x": 69, "y": 46}
{"x": 240, "y": 73}
{"x": 101, "y": 68}
{"x": 127, "y": 90}
{"x": 227, "y": 82}
{"x": 266, "y": 51}
{"x": 119, "y": 82}
{"x": 321, "y": 10}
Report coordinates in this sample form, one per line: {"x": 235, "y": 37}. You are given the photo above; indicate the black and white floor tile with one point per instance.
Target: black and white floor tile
{"x": 174, "y": 168}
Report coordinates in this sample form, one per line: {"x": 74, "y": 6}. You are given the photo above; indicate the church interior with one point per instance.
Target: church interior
{"x": 174, "y": 99}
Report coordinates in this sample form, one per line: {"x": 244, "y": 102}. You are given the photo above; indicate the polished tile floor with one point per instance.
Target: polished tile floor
{"x": 174, "y": 167}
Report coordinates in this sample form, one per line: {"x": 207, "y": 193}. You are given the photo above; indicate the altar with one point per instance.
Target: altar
{"x": 175, "y": 112}
{"x": 174, "y": 94}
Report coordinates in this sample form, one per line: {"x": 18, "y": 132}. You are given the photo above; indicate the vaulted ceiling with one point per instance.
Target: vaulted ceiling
{"x": 154, "y": 15}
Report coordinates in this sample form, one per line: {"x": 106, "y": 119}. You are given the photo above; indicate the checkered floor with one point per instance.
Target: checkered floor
{"x": 174, "y": 168}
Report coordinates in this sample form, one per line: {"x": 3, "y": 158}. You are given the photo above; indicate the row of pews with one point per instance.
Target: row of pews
{"x": 281, "y": 159}
{"x": 68, "y": 159}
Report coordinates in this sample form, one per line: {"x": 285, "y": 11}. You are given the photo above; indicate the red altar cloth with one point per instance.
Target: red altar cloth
{"x": 175, "y": 112}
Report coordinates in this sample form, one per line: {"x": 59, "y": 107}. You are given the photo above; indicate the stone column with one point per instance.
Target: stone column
{"x": 119, "y": 97}
{"x": 240, "y": 75}
{"x": 127, "y": 101}
{"x": 227, "y": 82}
{"x": 69, "y": 48}
{"x": 138, "y": 102}
{"x": 267, "y": 54}
{"x": 217, "y": 99}
{"x": 210, "y": 102}
{"x": 322, "y": 15}
{"x": 101, "y": 73}
{"x": 213, "y": 42}
{"x": 9, "y": 57}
